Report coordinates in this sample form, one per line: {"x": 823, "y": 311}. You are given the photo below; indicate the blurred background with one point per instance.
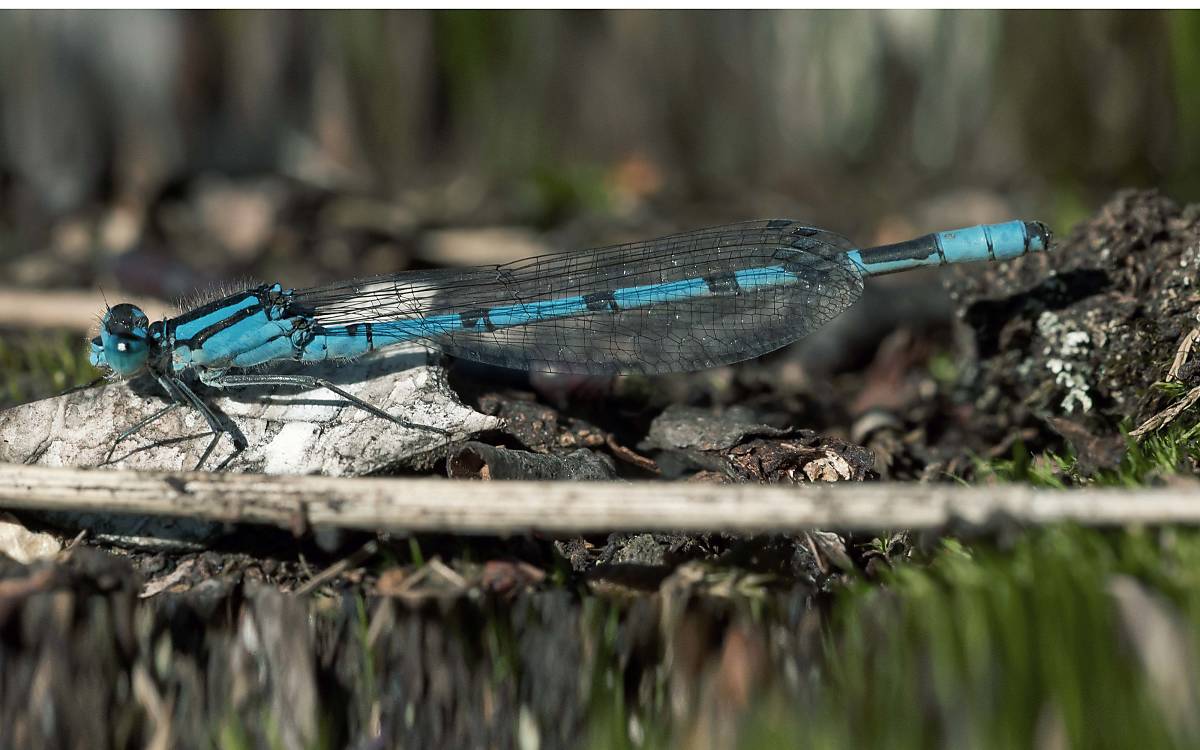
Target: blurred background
{"x": 158, "y": 156}
{"x": 155, "y": 152}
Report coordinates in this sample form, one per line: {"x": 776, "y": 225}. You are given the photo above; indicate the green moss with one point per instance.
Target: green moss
{"x": 1173, "y": 450}
{"x": 985, "y": 646}
{"x": 985, "y": 650}
{"x": 1044, "y": 470}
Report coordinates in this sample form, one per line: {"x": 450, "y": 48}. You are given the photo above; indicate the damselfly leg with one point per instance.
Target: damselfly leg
{"x": 182, "y": 395}
{"x": 214, "y": 424}
{"x": 308, "y": 381}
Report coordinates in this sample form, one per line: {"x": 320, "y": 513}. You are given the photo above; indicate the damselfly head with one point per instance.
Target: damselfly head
{"x": 124, "y": 341}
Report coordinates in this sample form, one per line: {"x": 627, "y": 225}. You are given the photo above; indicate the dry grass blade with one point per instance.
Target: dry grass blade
{"x": 1168, "y": 415}
{"x": 1185, "y": 349}
{"x": 361, "y": 555}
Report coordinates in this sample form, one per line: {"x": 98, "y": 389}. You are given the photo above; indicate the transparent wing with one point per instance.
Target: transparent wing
{"x": 724, "y": 326}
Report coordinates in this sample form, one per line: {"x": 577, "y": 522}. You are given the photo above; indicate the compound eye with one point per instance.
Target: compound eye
{"x": 126, "y": 318}
{"x": 124, "y": 339}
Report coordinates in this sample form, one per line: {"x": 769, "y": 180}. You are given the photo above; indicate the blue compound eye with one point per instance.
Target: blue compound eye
{"x": 124, "y": 340}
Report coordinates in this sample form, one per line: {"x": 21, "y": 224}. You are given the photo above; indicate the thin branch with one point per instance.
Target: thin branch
{"x": 577, "y": 507}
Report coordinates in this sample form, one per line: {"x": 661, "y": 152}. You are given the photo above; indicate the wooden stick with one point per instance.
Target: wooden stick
{"x": 576, "y": 507}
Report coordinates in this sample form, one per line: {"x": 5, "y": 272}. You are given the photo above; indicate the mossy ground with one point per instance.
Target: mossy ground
{"x": 1029, "y": 643}
{"x": 1042, "y": 637}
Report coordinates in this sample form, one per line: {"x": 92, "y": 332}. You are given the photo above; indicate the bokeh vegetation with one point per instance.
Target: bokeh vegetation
{"x": 843, "y": 118}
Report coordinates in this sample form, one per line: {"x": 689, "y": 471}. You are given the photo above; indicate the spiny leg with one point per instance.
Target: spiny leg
{"x": 308, "y": 381}
{"x": 180, "y": 395}
{"x": 214, "y": 424}
{"x": 84, "y": 386}
{"x": 139, "y": 426}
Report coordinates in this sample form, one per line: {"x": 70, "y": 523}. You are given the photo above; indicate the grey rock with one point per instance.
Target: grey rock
{"x": 287, "y": 431}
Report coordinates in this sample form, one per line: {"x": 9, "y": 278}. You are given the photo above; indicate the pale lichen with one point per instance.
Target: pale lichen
{"x": 1066, "y": 350}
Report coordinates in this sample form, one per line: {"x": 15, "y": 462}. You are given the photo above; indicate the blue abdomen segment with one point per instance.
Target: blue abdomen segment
{"x": 354, "y": 340}
{"x": 1005, "y": 241}
{"x": 347, "y": 341}
{"x": 1011, "y": 239}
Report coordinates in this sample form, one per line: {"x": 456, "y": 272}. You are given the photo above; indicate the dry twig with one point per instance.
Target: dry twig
{"x": 576, "y": 507}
